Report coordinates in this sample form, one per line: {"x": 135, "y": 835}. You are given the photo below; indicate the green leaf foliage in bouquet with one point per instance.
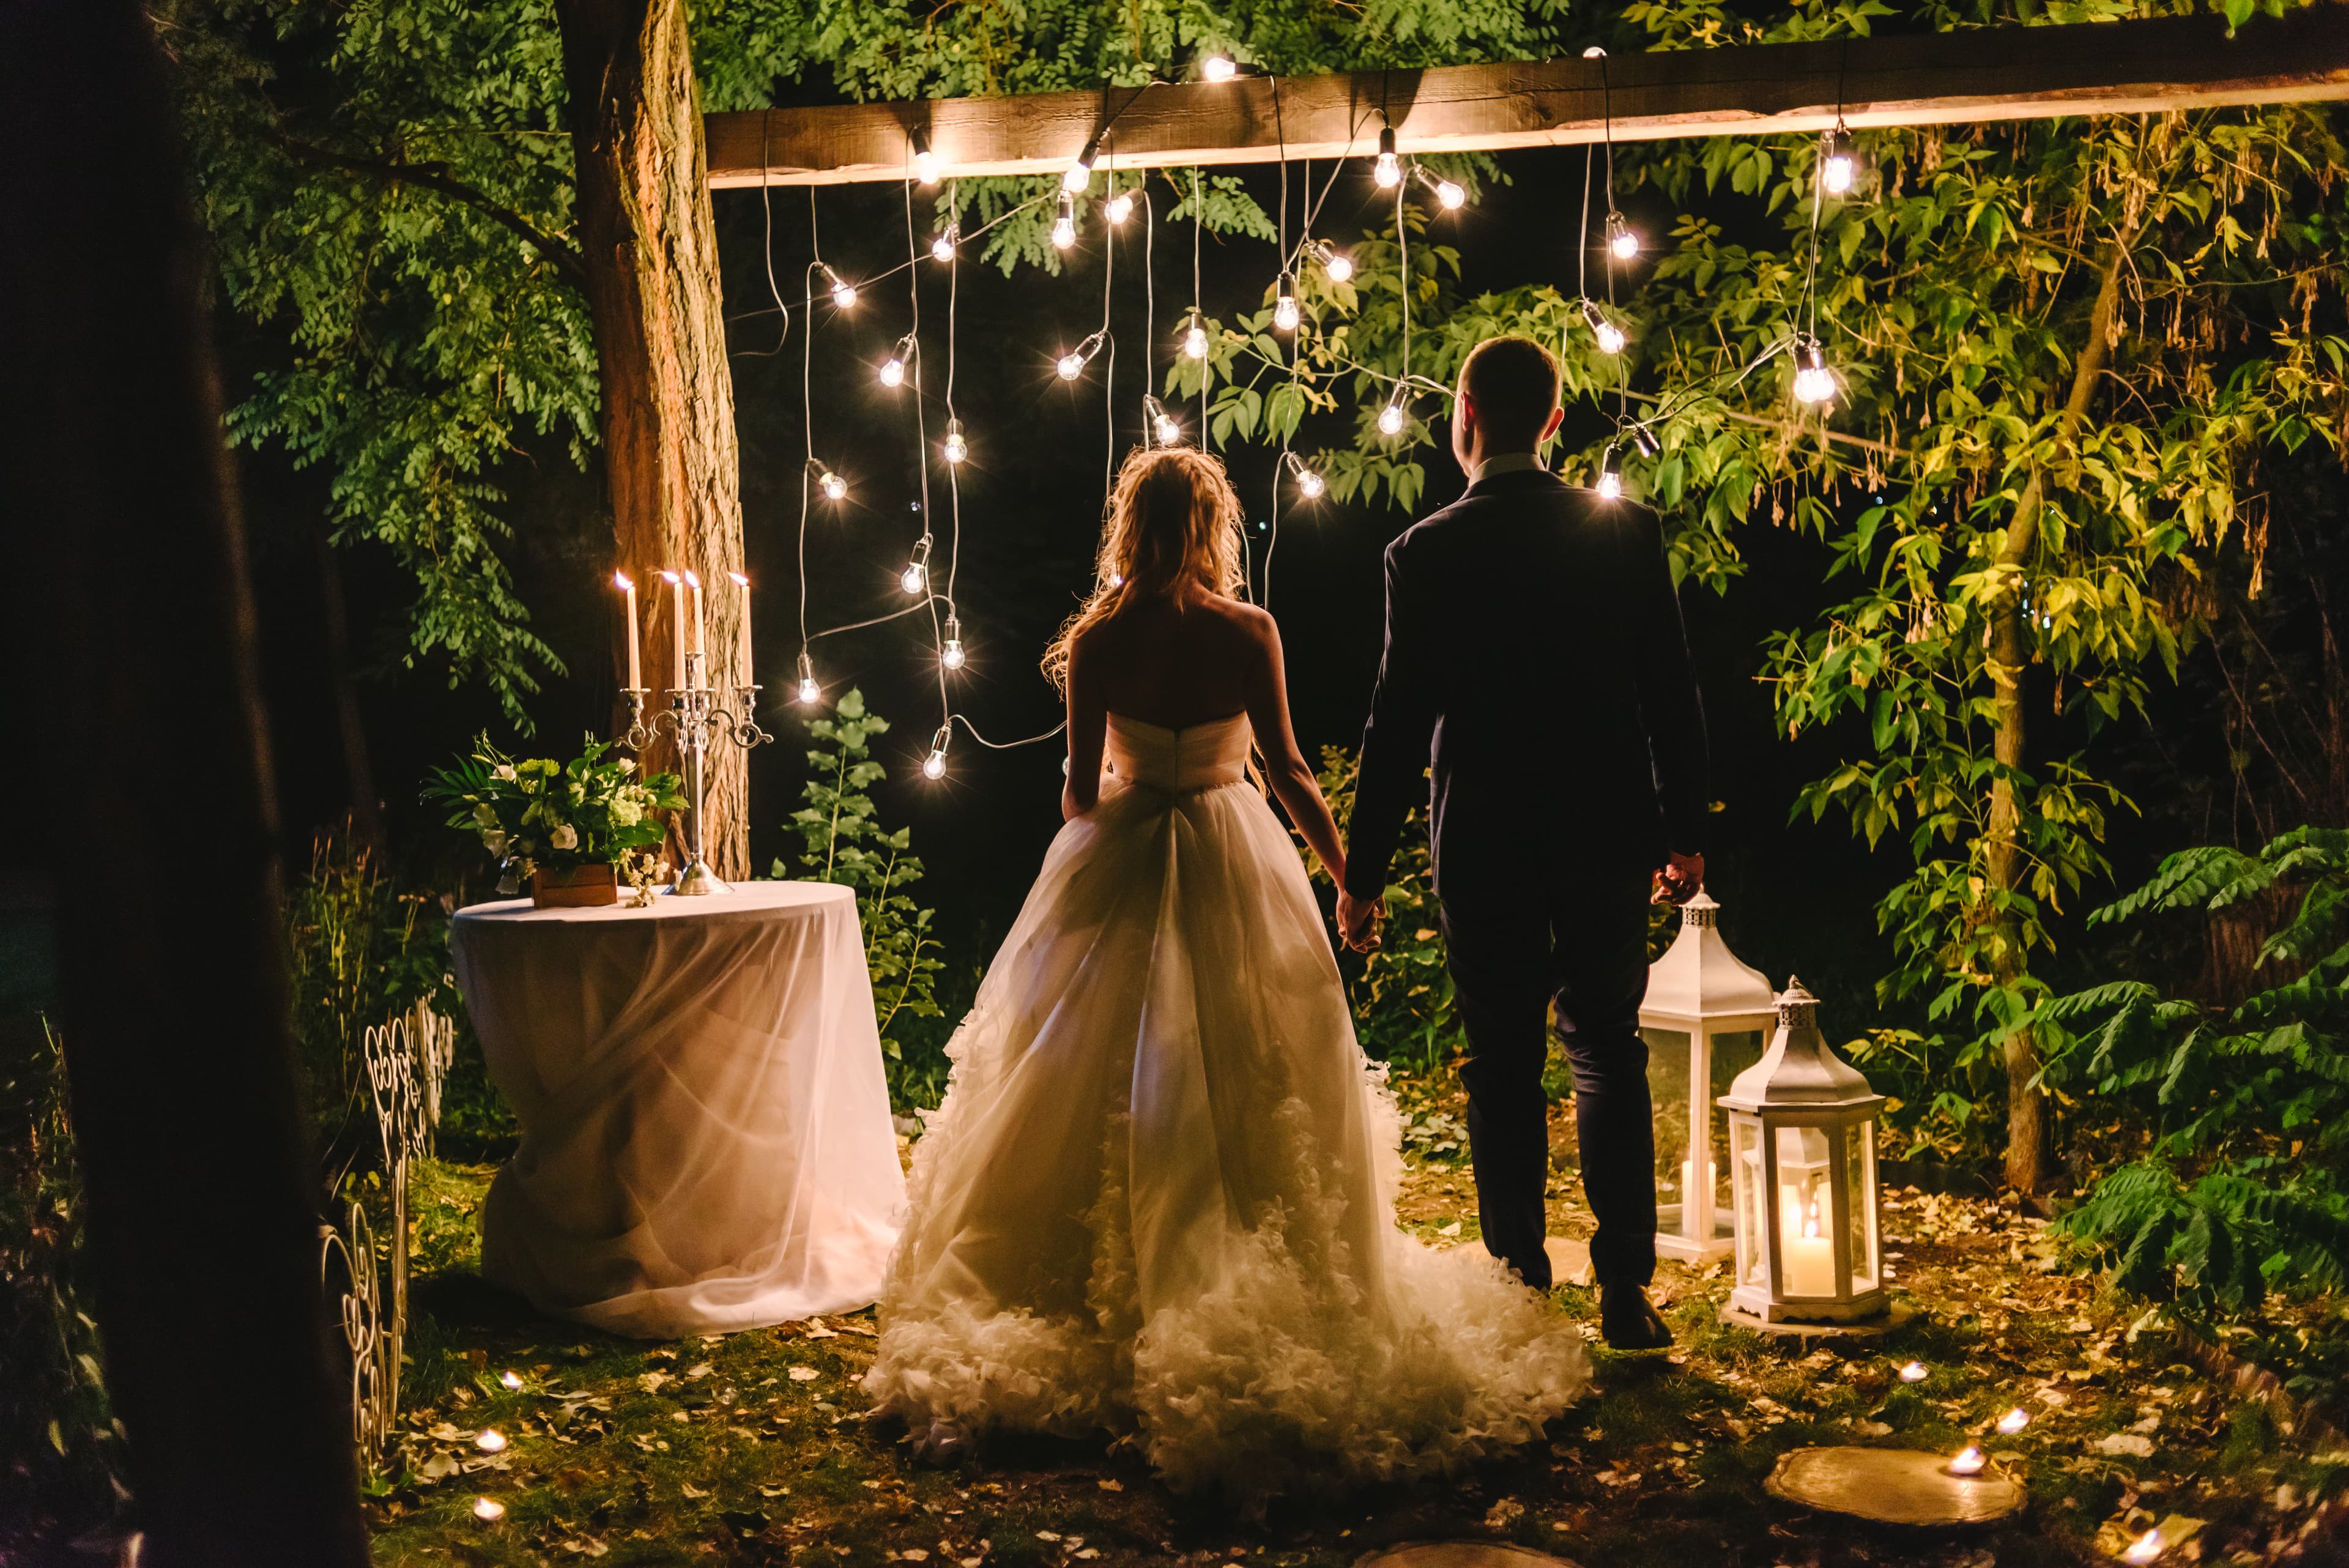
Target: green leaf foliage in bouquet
{"x": 541, "y": 812}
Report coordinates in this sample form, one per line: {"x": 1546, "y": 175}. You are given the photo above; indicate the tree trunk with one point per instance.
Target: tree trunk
{"x": 670, "y": 457}
{"x": 158, "y": 824}
{"x": 2029, "y": 1132}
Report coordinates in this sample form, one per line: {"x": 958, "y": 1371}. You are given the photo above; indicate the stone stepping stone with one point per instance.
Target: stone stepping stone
{"x": 1892, "y": 1486}
{"x": 1462, "y": 1555}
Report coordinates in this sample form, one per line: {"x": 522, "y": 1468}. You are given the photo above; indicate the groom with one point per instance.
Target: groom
{"x": 1534, "y": 655}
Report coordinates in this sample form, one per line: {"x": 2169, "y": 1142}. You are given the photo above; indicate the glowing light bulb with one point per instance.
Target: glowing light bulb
{"x": 1391, "y": 417}
{"x": 1079, "y": 175}
{"x": 893, "y": 371}
{"x": 1388, "y": 169}
{"x": 1336, "y": 264}
{"x": 1969, "y": 1462}
{"x": 950, "y": 653}
{"x": 926, "y": 167}
{"x": 1913, "y": 1373}
{"x": 1219, "y": 68}
{"x": 1448, "y": 192}
{"x": 834, "y": 487}
{"x": 1309, "y": 484}
{"x": 913, "y": 577}
{"x": 488, "y": 1509}
{"x": 510, "y": 1379}
{"x": 1164, "y": 428}
{"x": 1120, "y": 207}
{"x": 1610, "y": 477}
{"x": 1622, "y": 240}
{"x": 956, "y": 448}
{"x": 1071, "y": 367}
{"x": 1194, "y": 337}
{"x": 809, "y": 691}
{"x": 1813, "y": 382}
{"x": 1072, "y": 364}
{"x": 933, "y": 766}
{"x": 2146, "y": 1548}
{"x": 844, "y": 293}
{"x": 1064, "y": 227}
{"x": 942, "y": 248}
{"x": 1838, "y": 166}
{"x": 1611, "y": 338}
{"x": 2014, "y": 1420}
{"x": 489, "y": 1440}
{"x": 1284, "y": 306}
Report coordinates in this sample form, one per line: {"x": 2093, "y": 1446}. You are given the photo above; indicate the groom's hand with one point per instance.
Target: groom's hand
{"x": 1358, "y": 920}
{"x": 1678, "y": 880}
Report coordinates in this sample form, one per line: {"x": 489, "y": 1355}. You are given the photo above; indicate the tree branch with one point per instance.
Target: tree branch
{"x": 439, "y": 176}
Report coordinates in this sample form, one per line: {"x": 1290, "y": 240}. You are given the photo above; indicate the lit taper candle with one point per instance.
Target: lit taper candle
{"x": 635, "y": 674}
{"x": 743, "y": 637}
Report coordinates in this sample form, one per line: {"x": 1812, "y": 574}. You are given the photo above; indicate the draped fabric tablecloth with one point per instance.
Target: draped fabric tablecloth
{"x": 706, "y": 1141}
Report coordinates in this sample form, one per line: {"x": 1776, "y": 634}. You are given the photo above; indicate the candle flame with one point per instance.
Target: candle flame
{"x": 490, "y": 1441}
{"x": 488, "y": 1509}
{"x": 669, "y": 577}
{"x": 691, "y": 581}
{"x": 620, "y": 581}
{"x": 1913, "y": 1373}
{"x": 510, "y": 1379}
{"x": 2014, "y": 1420}
{"x": 2146, "y": 1547}
{"x": 739, "y": 580}
{"x": 1969, "y": 1462}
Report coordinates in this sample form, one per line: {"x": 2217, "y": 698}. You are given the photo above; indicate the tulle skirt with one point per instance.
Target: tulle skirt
{"x": 1158, "y": 1198}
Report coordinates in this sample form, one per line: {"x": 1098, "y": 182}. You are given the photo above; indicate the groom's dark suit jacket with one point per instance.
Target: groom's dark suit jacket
{"x": 1533, "y": 641}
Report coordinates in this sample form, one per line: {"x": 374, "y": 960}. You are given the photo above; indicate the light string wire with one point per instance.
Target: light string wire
{"x": 996, "y": 222}
{"x": 922, "y": 465}
{"x": 1207, "y": 365}
{"x": 807, "y": 412}
{"x": 1109, "y": 339}
{"x": 766, "y": 211}
{"x": 1280, "y": 465}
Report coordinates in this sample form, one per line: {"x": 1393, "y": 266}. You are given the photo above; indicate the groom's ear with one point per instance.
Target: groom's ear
{"x": 1557, "y": 418}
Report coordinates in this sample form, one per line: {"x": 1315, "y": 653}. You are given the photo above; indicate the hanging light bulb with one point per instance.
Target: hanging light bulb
{"x": 926, "y": 163}
{"x": 1195, "y": 337}
{"x": 1064, "y": 227}
{"x": 933, "y": 766}
{"x": 1219, "y": 68}
{"x": 809, "y": 691}
{"x": 1391, "y": 416}
{"x": 1336, "y": 264}
{"x": 844, "y": 293}
{"x": 834, "y": 488}
{"x": 1813, "y": 382}
{"x": 942, "y": 248}
{"x": 956, "y": 448}
{"x": 1120, "y": 207}
{"x": 1839, "y": 163}
{"x": 917, "y": 575}
{"x": 1622, "y": 240}
{"x": 1073, "y": 363}
{"x": 1309, "y": 483}
{"x": 1611, "y": 338}
{"x": 1284, "y": 303}
{"x": 1080, "y": 174}
{"x": 950, "y": 653}
{"x": 893, "y": 369}
{"x": 1164, "y": 429}
{"x": 1610, "y": 476}
{"x": 1448, "y": 191}
{"x": 1388, "y": 169}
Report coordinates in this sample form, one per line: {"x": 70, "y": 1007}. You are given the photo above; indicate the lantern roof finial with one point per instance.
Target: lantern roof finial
{"x": 1800, "y": 1068}
{"x": 1699, "y": 978}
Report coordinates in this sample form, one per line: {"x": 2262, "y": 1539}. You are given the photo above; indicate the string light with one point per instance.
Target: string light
{"x": 1064, "y": 225}
{"x": 1622, "y": 240}
{"x": 1164, "y": 427}
{"x": 1309, "y": 483}
{"x": 1336, "y": 264}
{"x": 1080, "y": 174}
{"x": 1284, "y": 303}
{"x": 844, "y": 293}
{"x": 1610, "y": 476}
{"x": 1448, "y": 191}
{"x": 926, "y": 163}
{"x": 1073, "y": 363}
{"x": 1219, "y": 68}
{"x": 933, "y": 766}
{"x": 917, "y": 575}
{"x": 1388, "y": 169}
{"x": 834, "y": 488}
{"x": 1839, "y": 164}
{"x": 809, "y": 691}
{"x": 893, "y": 369}
{"x": 1611, "y": 338}
{"x": 1120, "y": 207}
{"x": 956, "y": 448}
{"x": 1391, "y": 416}
{"x": 1813, "y": 382}
{"x": 942, "y": 248}
{"x": 1195, "y": 337}
{"x": 950, "y": 652}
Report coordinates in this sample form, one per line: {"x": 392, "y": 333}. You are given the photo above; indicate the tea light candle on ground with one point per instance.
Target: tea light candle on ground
{"x": 1969, "y": 1462}
{"x": 490, "y": 1441}
{"x": 2146, "y": 1548}
{"x": 2014, "y": 1420}
{"x": 488, "y": 1509}
{"x": 511, "y": 1379}
{"x": 1913, "y": 1373}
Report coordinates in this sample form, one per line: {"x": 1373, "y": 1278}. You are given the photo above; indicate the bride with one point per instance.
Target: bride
{"x": 1159, "y": 1197}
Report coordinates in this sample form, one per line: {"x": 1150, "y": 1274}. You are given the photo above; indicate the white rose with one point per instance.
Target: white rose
{"x": 505, "y": 772}
{"x": 564, "y": 837}
{"x": 494, "y": 842}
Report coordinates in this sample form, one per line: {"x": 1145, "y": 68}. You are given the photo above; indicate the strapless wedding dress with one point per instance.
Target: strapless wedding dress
{"x": 1159, "y": 1197}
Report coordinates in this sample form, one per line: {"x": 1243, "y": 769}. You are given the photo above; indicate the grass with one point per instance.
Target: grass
{"x": 752, "y": 1448}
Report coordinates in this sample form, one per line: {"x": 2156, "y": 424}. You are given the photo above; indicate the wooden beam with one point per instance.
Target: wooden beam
{"x": 1929, "y": 78}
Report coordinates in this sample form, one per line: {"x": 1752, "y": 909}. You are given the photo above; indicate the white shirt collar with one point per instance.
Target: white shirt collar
{"x": 1507, "y": 462}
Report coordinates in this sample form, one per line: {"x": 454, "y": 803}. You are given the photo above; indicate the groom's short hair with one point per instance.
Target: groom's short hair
{"x": 1513, "y": 381}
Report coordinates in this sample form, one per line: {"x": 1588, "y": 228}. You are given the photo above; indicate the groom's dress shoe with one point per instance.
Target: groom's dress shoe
{"x": 1629, "y": 1321}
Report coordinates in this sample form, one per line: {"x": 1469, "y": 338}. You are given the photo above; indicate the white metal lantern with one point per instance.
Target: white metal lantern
{"x": 1698, "y": 994}
{"x": 1802, "y": 1140}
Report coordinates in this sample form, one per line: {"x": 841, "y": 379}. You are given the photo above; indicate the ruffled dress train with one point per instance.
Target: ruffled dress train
{"x": 1158, "y": 1199}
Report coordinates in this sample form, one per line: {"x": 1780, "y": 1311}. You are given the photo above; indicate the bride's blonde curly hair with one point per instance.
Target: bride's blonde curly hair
{"x": 1174, "y": 520}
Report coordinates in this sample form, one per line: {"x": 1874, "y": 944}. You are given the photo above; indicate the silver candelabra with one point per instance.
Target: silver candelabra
{"x": 694, "y": 717}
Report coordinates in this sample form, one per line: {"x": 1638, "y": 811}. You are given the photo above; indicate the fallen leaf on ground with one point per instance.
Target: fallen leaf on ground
{"x": 804, "y": 1374}
{"x": 2130, "y": 1443}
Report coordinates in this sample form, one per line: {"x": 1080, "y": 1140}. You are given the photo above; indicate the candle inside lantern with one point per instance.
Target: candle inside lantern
{"x": 2014, "y": 1420}
{"x": 1913, "y": 1373}
{"x": 743, "y": 583}
{"x": 510, "y": 1379}
{"x": 636, "y": 676}
{"x": 1969, "y": 1462}
{"x": 2146, "y": 1548}
{"x": 489, "y": 1440}
{"x": 700, "y": 642}
{"x": 1806, "y": 1255}
{"x": 676, "y": 624}
{"x": 488, "y": 1509}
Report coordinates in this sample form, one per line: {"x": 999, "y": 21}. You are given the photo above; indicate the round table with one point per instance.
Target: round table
{"x": 706, "y": 1141}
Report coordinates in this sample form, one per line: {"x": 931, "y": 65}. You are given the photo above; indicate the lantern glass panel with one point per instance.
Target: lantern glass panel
{"x": 1731, "y": 1054}
{"x": 1753, "y": 1211}
{"x": 1859, "y": 1150}
{"x": 1806, "y": 1211}
{"x": 1668, "y": 1091}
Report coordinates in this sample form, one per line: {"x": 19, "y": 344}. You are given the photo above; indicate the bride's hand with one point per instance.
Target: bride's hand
{"x": 1358, "y": 920}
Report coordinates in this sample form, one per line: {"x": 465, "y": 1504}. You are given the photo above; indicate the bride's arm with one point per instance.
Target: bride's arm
{"x": 1286, "y": 771}
{"x": 1088, "y": 730}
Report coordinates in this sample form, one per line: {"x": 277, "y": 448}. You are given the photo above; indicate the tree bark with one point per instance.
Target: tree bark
{"x": 2029, "y": 1132}
{"x": 670, "y": 457}
{"x": 159, "y": 823}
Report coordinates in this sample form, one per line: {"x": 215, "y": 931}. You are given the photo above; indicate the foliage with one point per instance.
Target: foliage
{"x": 586, "y": 812}
{"x": 842, "y": 841}
{"x": 2255, "y": 1096}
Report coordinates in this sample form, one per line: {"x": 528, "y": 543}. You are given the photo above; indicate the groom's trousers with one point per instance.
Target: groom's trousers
{"x": 1576, "y": 935}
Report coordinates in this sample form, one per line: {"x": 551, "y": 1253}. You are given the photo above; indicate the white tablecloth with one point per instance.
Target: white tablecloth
{"x": 706, "y": 1141}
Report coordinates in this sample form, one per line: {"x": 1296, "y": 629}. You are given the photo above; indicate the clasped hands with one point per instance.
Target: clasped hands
{"x": 1675, "y": 882}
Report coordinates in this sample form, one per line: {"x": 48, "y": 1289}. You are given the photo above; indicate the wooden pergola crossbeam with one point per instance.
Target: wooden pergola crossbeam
{"x": 2010, "y": 73}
